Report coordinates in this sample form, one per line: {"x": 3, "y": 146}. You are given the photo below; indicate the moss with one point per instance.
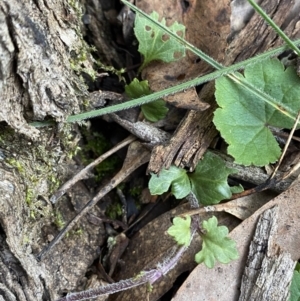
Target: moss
{"x": 40, "y": 165}
{"x": 86, "y": 103}
{"x": 69, "y": 140}
{"x": 149, "y": 287}
{"x": 29, "y": 196}
{"x": 82, "y": 55}
{"x": 112, "y": 70}
{"x": 136, "y": 191}
{"x": 81, "y": 59}
{"x": 58, "y": 220}
{"x": 72, "y": 233}
{"x": 114, "y": 210}
{"x": 78, "y": 232}
{"x": 32, "y": 214}
{"x": 54, "y": 182}
{"x": 26, "y": 240}
{"x": 96, "y": 145}
{"x": 77, "y": 7}
{"x": 17, "y": 164}
{"x": 139, "y": 275}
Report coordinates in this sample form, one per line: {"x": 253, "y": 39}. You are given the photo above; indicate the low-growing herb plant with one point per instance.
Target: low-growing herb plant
{"x": 152, "y": 111}
{"x": 208, "y": 182}
{"x": 209, "y": 185}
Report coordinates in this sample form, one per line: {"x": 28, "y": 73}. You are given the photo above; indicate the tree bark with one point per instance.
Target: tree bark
{"x": 41, "y": 53}
{"x": 269, "y": 271}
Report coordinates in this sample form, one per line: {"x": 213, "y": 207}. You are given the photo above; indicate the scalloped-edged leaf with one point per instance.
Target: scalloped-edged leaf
{"x": 216, "y": 246}
{"x": 181, "y": 230}
{"x": 174, "y": 177}
{"x": 137, "y": 88}
{"x": 295, "y": 285}
{"x": 152, "y": 111}
{"x": 243, "y": 118}
{"x": 209, "y": 180}
{"x": 154, "y": 43}
{"x": 155, "y": 110}
{"x": 236, "y": 189}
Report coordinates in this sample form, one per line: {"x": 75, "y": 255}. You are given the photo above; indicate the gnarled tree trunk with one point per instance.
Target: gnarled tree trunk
{"x": 41, "y": 47}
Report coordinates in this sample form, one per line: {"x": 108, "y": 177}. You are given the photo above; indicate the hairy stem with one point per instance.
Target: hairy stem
{"x": 143, "y": 277}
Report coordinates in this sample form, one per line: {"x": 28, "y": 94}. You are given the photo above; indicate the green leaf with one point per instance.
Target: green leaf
{"x": 237, "y": 189}
{"x": 175, "y": 177}
{"x": 243, "y": 118}
{"x": 137, "y": 88}
{"x": 153, "y": 111}
{"x": 216, "y": 245}
{"x": 295, "y": 286}
{"x": 209, "y": 180}
{"x": 181, "y": 230}
{"x": 154, "y": 43}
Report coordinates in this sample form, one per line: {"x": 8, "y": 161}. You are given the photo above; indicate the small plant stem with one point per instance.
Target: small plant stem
{"x": 144, "y": 277}
{"x": 114, "y": 182}
{"x": 112, "y": 288}
{"x": 286, "y": 145}
{"x": 173, "y": 90}
{"x": 192, "y": 83}
{"x": 287, "y": 40}
{"x": 82, "y": 174}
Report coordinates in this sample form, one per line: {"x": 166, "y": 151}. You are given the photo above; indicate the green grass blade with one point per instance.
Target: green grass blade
{"x": 171, "y": 90}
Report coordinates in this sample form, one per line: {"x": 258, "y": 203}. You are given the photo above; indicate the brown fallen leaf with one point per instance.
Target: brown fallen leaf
{"x": 222, "y": 283}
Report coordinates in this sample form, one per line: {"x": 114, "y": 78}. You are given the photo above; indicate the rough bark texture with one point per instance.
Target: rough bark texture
{"x": 41, "y": 47}
{"x": 268, "y": 272}
{"x": 28, "y": 220}
{"x": 36, "y": 78}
